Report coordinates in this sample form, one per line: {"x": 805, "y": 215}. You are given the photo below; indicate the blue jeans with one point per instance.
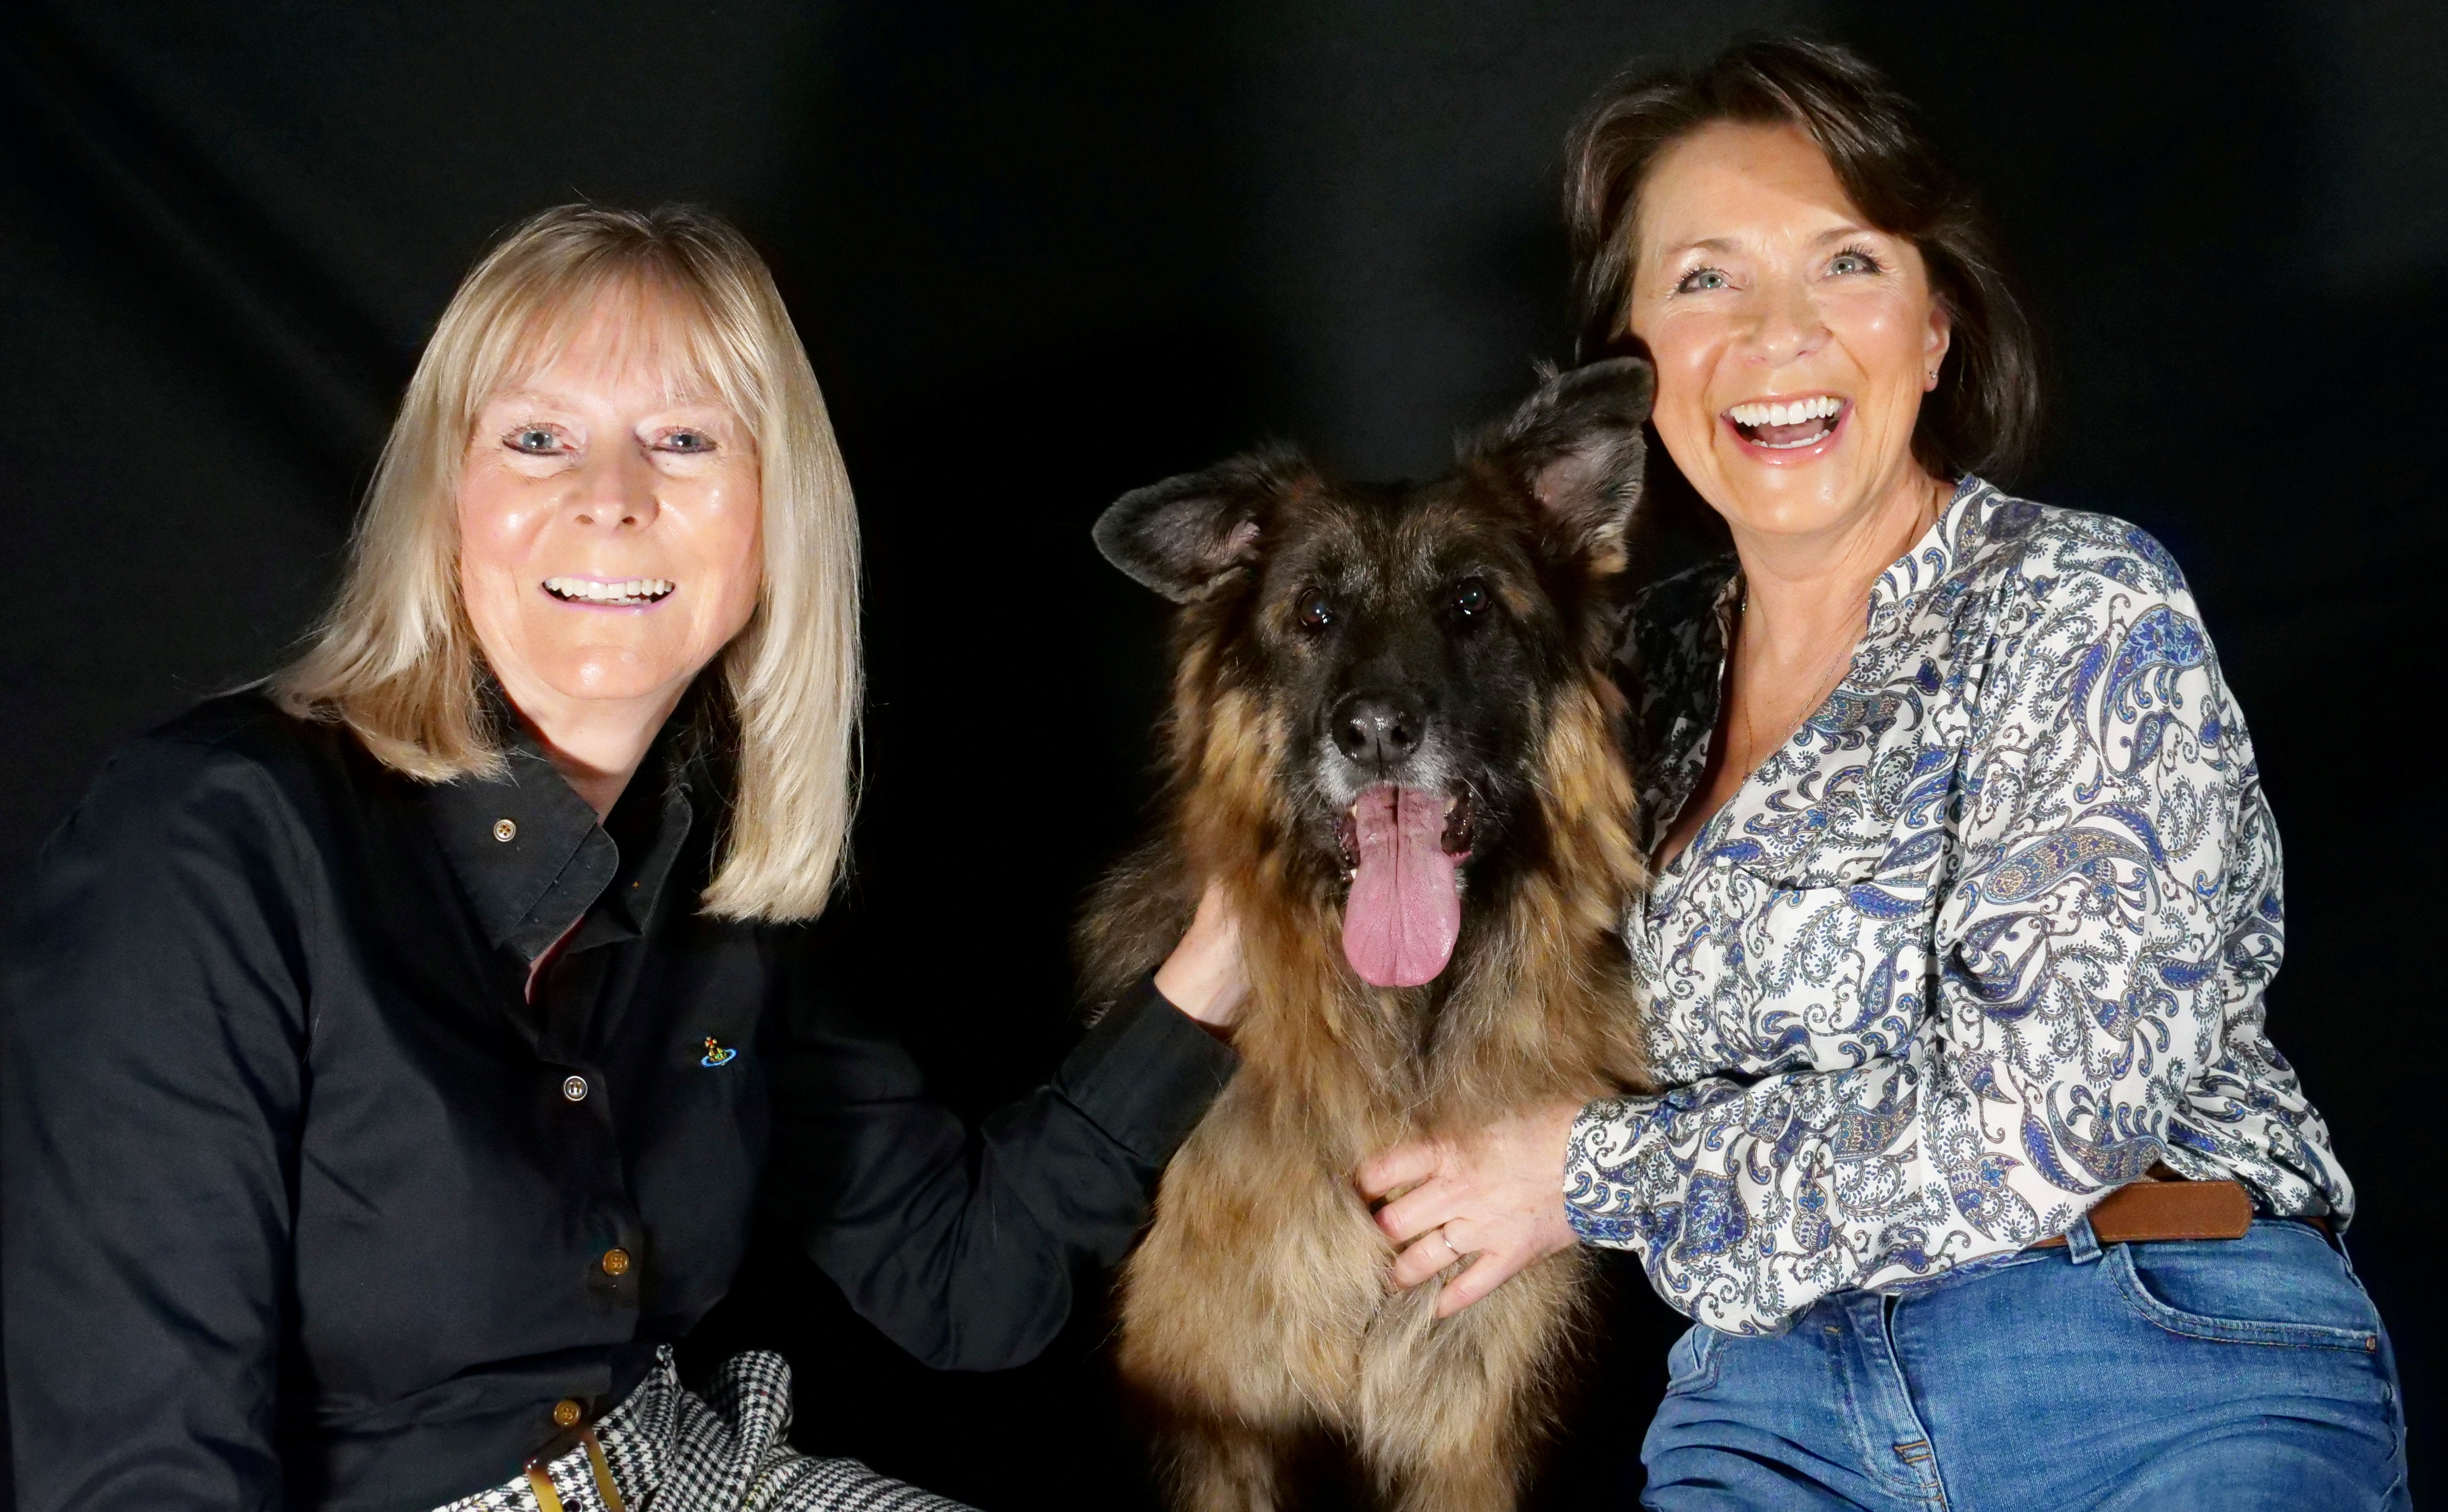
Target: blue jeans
{"x": 2238, "y": 1374}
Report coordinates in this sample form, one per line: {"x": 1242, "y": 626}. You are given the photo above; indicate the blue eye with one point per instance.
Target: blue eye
{"x": 687, "y": 440}
{"x": 535, "y": 440}
{"x": 1853, "y": 259}
{"x": 1700, "y": 279}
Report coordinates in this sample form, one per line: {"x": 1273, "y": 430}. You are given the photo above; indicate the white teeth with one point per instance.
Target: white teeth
{"x": 1818, "y": 407}
{"x": 633, "y": 590}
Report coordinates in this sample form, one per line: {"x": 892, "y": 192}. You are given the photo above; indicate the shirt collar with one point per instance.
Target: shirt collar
{"x": 1696, "y": 669}
{"x": 533, "y": 858}
{"x": 1932, "y": 556}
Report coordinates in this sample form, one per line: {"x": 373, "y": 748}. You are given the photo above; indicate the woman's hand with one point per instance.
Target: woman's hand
{"x": 1498, "y": 1194}
{"x": 1203, "y": 976}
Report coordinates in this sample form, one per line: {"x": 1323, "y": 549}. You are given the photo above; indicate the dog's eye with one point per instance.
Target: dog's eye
{"x": 1316, "y": 612}
{"x": 1469, "y": 596}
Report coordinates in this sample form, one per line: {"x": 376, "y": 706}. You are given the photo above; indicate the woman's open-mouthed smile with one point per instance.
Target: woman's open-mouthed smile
{"x": 1787, "y": 431}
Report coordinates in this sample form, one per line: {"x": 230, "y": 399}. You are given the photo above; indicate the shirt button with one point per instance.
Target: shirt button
{"x": 616, "y": 1262}
{"x": 506, "y": 830}
{"x": 574, "y": 1089}
{"x": 566, "y": 1412}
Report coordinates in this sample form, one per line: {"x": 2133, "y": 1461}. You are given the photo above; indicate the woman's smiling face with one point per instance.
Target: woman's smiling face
{"x": 1793, "y": 342}
{"x": 609, "y": 519}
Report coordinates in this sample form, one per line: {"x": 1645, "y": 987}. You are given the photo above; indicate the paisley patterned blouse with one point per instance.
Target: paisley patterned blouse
{"x": 1984, "y": 940}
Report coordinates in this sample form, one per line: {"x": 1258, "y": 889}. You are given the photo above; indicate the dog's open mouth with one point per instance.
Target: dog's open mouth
{"x": 1404, "y": 847}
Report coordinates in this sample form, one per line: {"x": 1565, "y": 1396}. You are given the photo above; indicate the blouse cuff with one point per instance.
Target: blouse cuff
{"x": 1146, "y": 1073}
{"x": 1598, "y": 1187}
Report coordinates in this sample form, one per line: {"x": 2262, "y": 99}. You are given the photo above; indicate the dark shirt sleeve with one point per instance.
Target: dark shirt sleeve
{"x": 964, "y": 1249}
{"x": 152, "y": 1086}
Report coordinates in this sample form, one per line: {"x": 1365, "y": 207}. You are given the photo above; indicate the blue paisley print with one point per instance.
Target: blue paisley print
{"x": 1987, "y": 939}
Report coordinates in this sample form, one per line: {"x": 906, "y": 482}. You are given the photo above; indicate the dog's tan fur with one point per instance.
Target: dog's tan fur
{"x": 1257, "y": 1311}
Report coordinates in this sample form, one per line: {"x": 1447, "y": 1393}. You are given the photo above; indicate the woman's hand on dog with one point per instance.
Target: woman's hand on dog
{"x": 1497, "y": 1198}
{"x": 1203, "y": 975}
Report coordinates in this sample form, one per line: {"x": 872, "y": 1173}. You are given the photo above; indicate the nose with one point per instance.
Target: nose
{"x": 1790, "y": 323}
{"x": 1378, "y": 729}
{"x": 617, "y": 490}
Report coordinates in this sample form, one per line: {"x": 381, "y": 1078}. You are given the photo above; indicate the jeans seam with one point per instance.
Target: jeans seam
{"x": 1929, "y": 1475}
{"x": 1841, "y": 1358}
{"x": 2175, "y": 1320}
{"x": 1872, "y": 1446}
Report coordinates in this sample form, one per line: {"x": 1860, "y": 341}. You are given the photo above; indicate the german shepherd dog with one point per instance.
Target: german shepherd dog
{"x": 1393, "y": 740}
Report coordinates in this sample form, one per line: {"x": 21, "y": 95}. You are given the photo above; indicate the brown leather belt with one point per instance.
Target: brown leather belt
{"x": 2164, "y": 1205}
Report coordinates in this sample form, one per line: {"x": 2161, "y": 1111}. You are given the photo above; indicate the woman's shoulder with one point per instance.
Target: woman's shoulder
{"x": 240, "y": 734}
{"x": 232, "y": 774}
{"x": 245, "y": 725}
{"x": 2045, "y": 555}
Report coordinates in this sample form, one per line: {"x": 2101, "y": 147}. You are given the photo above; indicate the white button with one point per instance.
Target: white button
{"x": 506, "y": 830}
{"x": 574, "y": 1089}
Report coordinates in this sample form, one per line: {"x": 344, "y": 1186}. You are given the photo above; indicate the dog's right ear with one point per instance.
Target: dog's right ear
{"x": 1180, "y": 536}
{"x": 1577, "y": 446}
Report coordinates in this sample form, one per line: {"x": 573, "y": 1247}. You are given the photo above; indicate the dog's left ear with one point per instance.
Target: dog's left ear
{"x": 1577, "y": 447}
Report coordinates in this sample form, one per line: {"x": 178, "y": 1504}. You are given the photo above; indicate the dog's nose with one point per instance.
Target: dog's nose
{"x": 1377, "y": 729}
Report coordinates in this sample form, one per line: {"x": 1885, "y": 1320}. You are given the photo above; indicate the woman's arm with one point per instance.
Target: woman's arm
{"x": 153, "y": 1085}
{"x": 964, "y": 1249}
{"x": 2115, "y": 894}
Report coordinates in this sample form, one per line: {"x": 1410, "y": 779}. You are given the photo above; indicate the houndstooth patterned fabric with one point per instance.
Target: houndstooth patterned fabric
{"x": 671, "y": 1450}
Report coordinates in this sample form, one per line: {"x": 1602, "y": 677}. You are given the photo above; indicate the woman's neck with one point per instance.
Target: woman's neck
{"x": 1805, "y": 592}
{"x": 596, "y": 744}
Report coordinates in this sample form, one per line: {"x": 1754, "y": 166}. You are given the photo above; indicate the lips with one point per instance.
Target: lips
{"x": 1405, "y": 846}
{"x": 620, "y": 593}
{"x": 1789, "y": 425}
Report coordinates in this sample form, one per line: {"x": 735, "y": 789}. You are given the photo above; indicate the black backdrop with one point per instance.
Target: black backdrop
{"x": 1043, "y": 253}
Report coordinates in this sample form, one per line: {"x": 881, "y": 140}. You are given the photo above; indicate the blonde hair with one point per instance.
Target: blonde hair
{"x": 396, "y": 658}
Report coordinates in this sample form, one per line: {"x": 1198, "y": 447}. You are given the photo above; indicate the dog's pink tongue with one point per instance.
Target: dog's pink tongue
{"x": 1404, "y": 914}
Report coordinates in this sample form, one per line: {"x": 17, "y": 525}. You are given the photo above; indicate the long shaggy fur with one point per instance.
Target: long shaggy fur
{"x": 1256, "y": 1314}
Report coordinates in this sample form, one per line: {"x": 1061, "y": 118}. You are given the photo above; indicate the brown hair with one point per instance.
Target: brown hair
{"x": 1984, "y": 415}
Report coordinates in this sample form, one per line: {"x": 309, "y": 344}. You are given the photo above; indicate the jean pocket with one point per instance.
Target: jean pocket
{"x": 1692, "y": 1364}
{"x": 2199, "y": 1292}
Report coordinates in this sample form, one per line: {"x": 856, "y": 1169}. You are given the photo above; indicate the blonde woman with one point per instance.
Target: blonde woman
{"x": 400, "y": 1049}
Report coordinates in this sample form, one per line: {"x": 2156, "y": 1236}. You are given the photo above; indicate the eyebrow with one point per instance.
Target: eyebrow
{"x": 1705, "y": 244}
{"x": 1721, "y": 245}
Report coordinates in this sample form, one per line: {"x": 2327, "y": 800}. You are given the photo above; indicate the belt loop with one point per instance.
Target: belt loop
{"x": 2083, "y": 1246}
{"x": 603, "y": 1468}
{"x": 2337, "y": 1243}
{"x": 540, "y": 1483}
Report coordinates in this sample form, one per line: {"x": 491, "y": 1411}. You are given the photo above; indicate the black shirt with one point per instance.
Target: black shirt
{"x": 309, "y": 1203}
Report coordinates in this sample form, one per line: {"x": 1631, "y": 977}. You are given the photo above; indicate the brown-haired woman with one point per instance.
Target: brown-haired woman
{"x": 1976, "y": 1168}
{"x": 399, "y": 1053}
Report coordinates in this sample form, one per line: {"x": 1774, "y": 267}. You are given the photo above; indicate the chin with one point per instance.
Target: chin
{"x": 619, "y": 678}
